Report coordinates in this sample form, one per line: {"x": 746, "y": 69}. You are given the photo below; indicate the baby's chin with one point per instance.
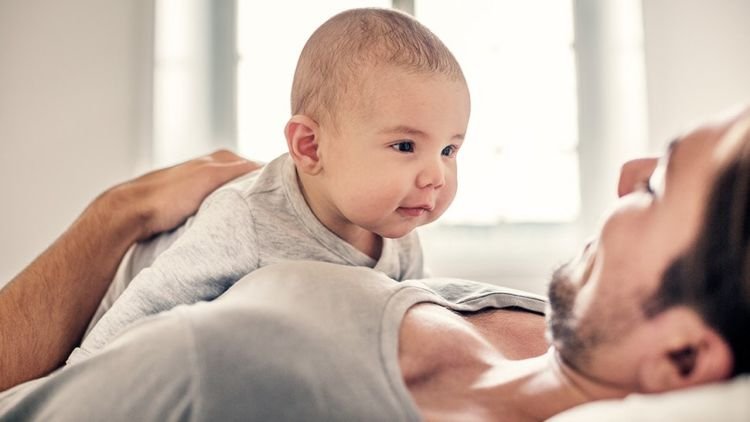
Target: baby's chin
{"x": 397, "y": 225}
{"x": 394, "y": 234}
{"x": 397, "y": 231}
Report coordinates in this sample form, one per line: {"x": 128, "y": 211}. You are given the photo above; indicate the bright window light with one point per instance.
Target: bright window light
{"x": 270, "y": 39}
{"x": 180, "y": 96}
{"x": 519, "y": 163}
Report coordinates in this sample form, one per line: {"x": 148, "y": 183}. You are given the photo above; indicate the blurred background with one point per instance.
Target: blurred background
{"x": 93, "y": 92}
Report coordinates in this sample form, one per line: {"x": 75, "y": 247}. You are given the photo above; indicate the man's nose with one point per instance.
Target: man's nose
{"x": 634, "y": 172}
{"x": 432, "y": 174}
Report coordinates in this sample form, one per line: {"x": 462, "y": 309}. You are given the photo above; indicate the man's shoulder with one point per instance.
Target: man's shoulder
{"x": 474, "y": 295}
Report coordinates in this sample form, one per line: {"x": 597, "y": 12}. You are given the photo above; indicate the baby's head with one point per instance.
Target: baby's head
{"x": 380, "y": 107}
{"x": 334, "y": 62}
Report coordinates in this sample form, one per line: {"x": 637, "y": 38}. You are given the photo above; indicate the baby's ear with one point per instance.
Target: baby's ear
{"x": 302, "y": 135}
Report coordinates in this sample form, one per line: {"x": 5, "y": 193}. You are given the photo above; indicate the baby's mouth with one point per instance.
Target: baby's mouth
{"x": 413, "y": 211}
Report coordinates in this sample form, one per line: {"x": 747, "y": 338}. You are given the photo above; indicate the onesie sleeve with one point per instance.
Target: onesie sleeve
{"x": 214, "y": 252}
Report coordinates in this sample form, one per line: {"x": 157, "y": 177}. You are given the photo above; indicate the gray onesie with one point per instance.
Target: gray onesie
{"x": 254, "y": 221}
{"x": 298, "y": 341}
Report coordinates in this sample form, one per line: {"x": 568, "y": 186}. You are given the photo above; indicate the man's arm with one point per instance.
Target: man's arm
{"x": 44, "y": 310}
{"x": 216, "y": 250}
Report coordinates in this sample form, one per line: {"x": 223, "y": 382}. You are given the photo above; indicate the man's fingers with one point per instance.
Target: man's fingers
{"x": 225, "y": 156}
{"x": 225, "y": 171}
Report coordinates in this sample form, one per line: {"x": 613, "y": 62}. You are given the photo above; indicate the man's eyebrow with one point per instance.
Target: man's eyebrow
{"x": 672, "y": 145}
{"x": 408, "y": 130}
{"x": 671, "y": 150}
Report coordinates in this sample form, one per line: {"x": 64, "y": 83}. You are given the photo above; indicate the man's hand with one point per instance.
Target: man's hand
{"x": 165, "y": 198}
{"x": 45, "y": 309}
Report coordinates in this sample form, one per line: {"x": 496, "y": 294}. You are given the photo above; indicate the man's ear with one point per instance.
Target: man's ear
{"x": 302, "y": 137}
{"x": 685, "y": 352}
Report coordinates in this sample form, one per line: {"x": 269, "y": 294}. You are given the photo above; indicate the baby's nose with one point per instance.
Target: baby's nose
{"x": 432, "y": 175}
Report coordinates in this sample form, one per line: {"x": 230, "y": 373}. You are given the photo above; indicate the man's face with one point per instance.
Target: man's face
{"x": 596, "y": 320}
{"x": 390, "y": 163}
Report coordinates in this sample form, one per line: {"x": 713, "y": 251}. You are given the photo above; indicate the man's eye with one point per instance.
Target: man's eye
{"x": 648, "y": 188}
{"x": 449, "y": 151}
{"x": 404, "y": 146}
{"x": 645, "y": 187}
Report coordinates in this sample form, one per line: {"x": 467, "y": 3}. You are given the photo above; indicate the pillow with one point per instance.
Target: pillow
{"x": 727, "y": 402}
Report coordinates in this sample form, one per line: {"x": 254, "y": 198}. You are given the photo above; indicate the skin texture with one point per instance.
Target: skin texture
{"x": 602, "y": 344}
{"x": 44, "y": 310}
{"x": 603, "y": 290}
{"x": 388, "y": 164}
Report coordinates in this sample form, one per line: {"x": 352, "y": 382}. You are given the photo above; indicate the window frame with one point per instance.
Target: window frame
{"x": 611, "y": 121}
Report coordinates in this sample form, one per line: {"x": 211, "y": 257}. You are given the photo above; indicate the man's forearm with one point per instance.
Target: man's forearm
{"x": 45, "y": 309}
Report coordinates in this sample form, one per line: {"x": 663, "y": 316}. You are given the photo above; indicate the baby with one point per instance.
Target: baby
{"x": 379, "y": 110}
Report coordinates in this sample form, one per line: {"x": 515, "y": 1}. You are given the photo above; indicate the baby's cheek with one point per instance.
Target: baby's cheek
{"x": 367, "y": 202}
{"x": 448, "y": 194}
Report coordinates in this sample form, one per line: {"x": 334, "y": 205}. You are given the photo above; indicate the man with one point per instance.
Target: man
{"x": 650, "y": 270}
{"x": 279, "y": 344}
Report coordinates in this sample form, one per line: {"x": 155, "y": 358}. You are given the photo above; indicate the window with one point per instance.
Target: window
{"x": 223, "y": 74}
{"x": 266, "y": 68}
{"x": 522, "y": 138}
{"x": 518, "y": 73}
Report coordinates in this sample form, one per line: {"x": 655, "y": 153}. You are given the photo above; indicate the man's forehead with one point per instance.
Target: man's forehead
{"x": 705, "y": 147}
{"x": 735, "y": 137}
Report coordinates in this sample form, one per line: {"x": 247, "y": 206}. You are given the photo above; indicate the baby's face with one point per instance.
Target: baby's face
{"x": 391, "y": 165}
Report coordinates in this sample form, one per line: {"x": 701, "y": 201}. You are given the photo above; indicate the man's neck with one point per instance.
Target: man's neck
{"x": 540, "y": 387}
{"x": 488, "y": 366}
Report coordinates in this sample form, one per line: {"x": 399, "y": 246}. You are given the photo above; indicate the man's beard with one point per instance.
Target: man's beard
{"x": 562, "y": 324}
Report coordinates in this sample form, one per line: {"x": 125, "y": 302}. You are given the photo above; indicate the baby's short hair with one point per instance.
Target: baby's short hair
{"x": 347, "y": 44}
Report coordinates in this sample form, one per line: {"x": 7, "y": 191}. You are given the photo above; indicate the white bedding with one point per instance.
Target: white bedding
{"x": 725, "y": 402}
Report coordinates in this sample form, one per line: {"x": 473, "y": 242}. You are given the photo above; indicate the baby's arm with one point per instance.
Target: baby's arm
{"x": 214, "y": 252}
{"x": 139, "y": 256}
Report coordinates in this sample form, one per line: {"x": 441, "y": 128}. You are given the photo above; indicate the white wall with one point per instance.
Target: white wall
{"x": 698, "y": 61}
{"x": 72, "y": 91}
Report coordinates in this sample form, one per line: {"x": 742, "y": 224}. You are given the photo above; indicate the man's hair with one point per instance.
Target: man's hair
{"x": 713, "y": 276}
{"x": 341, "y": 50}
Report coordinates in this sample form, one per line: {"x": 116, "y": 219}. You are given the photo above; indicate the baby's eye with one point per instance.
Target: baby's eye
{"x": 449, "y": 151}
{"x": 403, "y": 146}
